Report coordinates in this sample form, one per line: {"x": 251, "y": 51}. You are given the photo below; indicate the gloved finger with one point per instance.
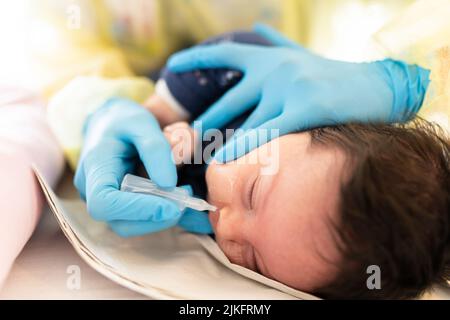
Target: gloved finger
{"x": 128, "y": 229}
{"x": 106, "y": 203}
{"x": 274, "y": 36}
{"x": 268, "y": 108}
{"x": 223, "y": 55}
{"x": 96, "y": 155}
{"x": 195, "y": 221}
{"x": 156, "y": 155}
{"x": 79, "y": 181}
{"x": 240, "y": 145}
{"x": 188, "y": 188}
{"x": 232, "y": 104}
{"x": 144, "y": 136}
{"x": 104, "y": 200}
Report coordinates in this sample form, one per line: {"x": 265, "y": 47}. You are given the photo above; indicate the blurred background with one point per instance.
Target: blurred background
{"x": 43, "y": 41}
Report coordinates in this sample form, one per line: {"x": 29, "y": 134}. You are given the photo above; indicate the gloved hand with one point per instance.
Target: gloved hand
{"x": 294, "y": 89}
{"x": 117, "y": 135}
{"x": 191, "y": 220}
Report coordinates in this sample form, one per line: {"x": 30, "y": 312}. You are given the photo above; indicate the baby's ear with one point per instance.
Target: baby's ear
{"x": 182, "y": 139}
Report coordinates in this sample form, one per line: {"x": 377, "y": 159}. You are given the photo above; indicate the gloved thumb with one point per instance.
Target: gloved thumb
{"x": 193, "y": 220}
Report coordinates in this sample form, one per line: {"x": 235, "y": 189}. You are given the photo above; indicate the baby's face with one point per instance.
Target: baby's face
{"x": 278, "y": 224}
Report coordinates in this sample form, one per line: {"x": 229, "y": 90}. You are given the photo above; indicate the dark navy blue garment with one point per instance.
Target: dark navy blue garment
{"x": 198, "y": 90}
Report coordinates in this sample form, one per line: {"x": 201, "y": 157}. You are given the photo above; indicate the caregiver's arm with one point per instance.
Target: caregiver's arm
{"x": 295, "y": 89}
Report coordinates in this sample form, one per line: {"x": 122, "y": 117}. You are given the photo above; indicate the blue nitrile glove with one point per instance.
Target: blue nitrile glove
{"x": 117, "y": 135}
{"x": 191, "y": 220}
{"x": 294, "y": 89}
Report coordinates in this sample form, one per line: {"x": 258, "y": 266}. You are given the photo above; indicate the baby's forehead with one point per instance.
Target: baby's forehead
{"x": 308, "y": 186}
{"x": 312, "y": 142}
{"x": 309, "y": 181}
{"x": 300, "y": 148}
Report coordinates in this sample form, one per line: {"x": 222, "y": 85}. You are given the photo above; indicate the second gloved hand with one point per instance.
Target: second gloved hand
{"x": 117, "y": 136}
{"x": 294, "y": 89}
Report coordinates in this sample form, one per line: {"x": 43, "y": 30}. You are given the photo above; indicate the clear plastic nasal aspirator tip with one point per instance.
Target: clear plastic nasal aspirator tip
{"x": 132, "y": 183}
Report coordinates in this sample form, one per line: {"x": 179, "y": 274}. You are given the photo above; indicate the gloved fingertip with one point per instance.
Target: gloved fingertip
{"x": 82, "y": 196}
{"x": 188, "y": 188}
{"x": 177, "y": 62}
{"x": 121, "y": 233}
{"x": 166, "y": 176}
{"x": 167, "y": 213}
{"x": 165, "y": 181}
{"x": 260, "y": 27}
{"x": 196, "y": 222}
{"x": 119, "y": 229}
{"x": 79, "y": 184}
{"x": 172, "y": 63}
{"x": 200, "y": 230}
{"x": 231, "y": 151}
{"x": 263, "y": 30}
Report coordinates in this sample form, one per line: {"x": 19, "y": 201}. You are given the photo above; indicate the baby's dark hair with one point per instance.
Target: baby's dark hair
{"x": 394, "y": 209}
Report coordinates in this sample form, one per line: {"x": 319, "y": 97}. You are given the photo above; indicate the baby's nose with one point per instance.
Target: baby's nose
{"x": 221, "y": 185}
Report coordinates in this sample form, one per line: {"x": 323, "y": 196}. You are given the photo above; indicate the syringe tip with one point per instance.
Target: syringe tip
{"x": 211, "y": 208}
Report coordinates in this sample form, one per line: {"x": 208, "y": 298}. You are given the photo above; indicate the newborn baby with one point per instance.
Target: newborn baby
{"x": 277, "y": 225}
{"x": 344, "y": 199}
